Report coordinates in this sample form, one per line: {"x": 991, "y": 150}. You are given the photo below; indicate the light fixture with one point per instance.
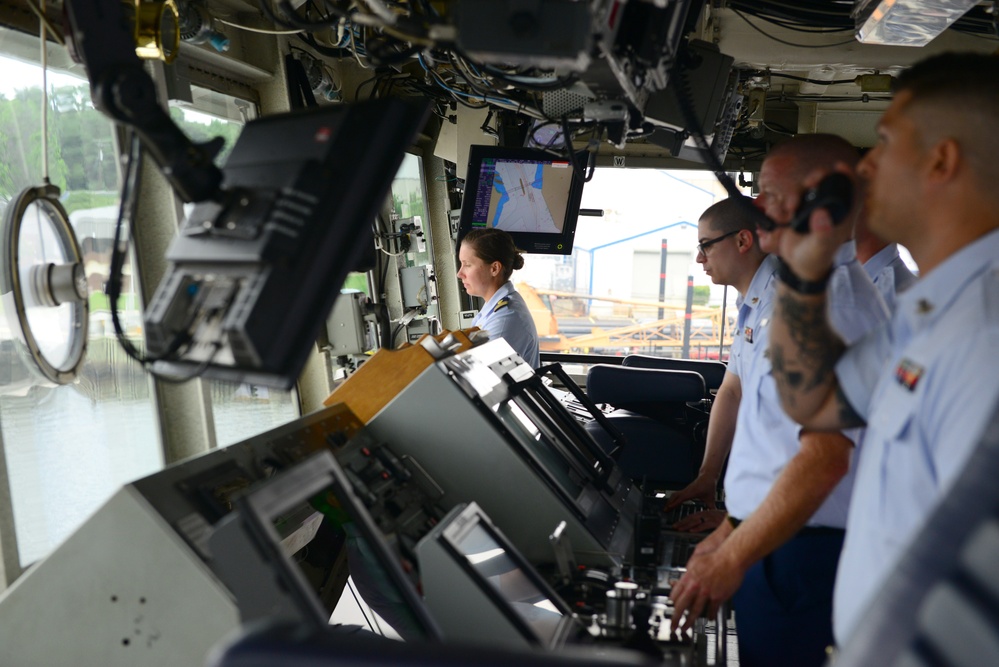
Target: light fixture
{"x": 906, "y": 22}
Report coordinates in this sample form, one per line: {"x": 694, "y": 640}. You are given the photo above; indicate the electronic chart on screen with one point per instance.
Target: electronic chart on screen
{"x": 523, "y": 195}
{"x": 532, "y": 194}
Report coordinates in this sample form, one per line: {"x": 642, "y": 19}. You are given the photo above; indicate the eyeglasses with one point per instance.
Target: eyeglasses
{"x": 702, "y": 247}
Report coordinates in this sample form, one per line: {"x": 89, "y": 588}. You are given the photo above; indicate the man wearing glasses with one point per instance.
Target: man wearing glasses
{"x": 787, "y": 491}
{"x": 742, "y": 264}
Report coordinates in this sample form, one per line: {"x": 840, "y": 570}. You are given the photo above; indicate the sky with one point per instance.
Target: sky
{"x": 18, "y": 76}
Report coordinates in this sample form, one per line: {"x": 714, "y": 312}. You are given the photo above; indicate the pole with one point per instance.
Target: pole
{"x": 686, "y": 317}
{"x": 662, "y": 278}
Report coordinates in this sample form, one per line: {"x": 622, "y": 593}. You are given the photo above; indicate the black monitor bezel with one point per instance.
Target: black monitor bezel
{"x": 527, "y": 242}
{"x": 337, "y": 159}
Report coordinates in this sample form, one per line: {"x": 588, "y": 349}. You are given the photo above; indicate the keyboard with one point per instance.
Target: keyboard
{"x": 682, "y": 511}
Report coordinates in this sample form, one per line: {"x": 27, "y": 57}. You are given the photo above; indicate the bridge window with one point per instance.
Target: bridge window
{"x": 68, "y": 448}
{"x": 240, "y": 410}
{"x": 612, "y": 296}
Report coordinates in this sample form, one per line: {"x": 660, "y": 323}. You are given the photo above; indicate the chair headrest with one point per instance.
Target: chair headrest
{"x": 712, "y": 371}
{"x": 621, "y": 385}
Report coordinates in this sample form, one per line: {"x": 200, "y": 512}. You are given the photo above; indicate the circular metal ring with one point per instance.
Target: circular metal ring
{"x": 51, "y": 290}
{"x": 157, "y": 30}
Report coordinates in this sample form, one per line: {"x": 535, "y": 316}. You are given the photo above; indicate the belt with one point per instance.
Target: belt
{"x": 820, "y": 531}
{"x": 807, "y": 531}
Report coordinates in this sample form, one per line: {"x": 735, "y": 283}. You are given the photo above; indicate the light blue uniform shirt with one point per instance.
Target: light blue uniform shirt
{"x": 926, "y": 384}
{"x": 753, "y": 307}
{"x": 889, "y": 274}
{"x": 766, "y": 439}
{"x": 506, "y": 316}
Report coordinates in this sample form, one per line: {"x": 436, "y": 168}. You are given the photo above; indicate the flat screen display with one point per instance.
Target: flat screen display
{"x": 533, "y": 194}
{"x": 487, "y": 555}
{"x": 374, "y": 565}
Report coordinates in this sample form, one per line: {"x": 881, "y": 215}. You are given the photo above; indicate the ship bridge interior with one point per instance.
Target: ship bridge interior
{"x": 240, "y": 393}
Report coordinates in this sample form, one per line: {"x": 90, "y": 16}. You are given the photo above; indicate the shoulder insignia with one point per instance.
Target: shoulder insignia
{"x": 501, "y": 304}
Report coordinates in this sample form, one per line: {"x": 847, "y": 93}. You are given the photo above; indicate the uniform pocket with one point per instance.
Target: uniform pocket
{"x": 907, "y": 474}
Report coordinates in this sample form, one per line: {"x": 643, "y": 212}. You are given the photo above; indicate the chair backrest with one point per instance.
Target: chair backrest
{"x": 940, "y": 606}
{"x": 644, "y": 390}
{"x": 712, "y": 371}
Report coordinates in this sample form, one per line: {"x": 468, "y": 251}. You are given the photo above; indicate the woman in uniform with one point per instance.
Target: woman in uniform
{"x": 488, "y": 257}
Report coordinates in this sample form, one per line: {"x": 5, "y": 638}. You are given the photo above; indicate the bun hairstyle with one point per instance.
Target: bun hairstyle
{"x": 495, "y": 245}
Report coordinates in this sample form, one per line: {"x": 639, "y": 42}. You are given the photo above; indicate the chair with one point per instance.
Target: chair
{"x": 662, "y": 414}
{"x": 713, "y": 372}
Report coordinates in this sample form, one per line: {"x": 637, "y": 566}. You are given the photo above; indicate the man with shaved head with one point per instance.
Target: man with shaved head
{"x": 786, "y": 491}
{"x": 925, "y": 384}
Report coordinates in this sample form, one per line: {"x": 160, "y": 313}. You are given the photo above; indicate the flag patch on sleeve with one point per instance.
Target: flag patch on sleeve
{"x": 908, "y": 374}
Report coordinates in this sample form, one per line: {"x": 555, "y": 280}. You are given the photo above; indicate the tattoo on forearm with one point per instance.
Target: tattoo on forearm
{"x": 815, "y": 348}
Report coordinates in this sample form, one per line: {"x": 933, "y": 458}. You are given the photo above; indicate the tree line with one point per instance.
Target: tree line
{"x": 82, "y": 149}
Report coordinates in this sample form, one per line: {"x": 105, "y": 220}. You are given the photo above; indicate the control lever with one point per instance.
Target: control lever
{"x": 362, "y": 490}
{"x": 392, "y": 463}
{"x": 833, "y": 193}
{"x": 721, "y": 640}
{"x": 565, "y": 561}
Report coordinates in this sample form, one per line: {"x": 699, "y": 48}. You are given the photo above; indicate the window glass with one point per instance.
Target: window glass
{"x": 240, "y": 410}
{"x": 408, "y": 243}
{"x": 612, "y": 296}
{"x": 68, "y": 448}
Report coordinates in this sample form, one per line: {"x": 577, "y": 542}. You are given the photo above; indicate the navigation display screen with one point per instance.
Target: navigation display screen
{"x": 522, "y": 195}
{"x": 532, "y": 194}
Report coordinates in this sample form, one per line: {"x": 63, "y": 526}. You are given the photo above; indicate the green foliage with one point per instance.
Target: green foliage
{"x": 81, "y": 148}
{"x": 701, "y": 295}
{"x": 356, "y": 282}
{"x": 99, "y": 302}
{"x": 82, "y": 200}
{"x": 200, "y": 133}
{"x": 407, "y": 198}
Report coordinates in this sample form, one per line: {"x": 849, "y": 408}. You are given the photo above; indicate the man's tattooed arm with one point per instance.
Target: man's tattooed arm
{"x": 803, "y": 353}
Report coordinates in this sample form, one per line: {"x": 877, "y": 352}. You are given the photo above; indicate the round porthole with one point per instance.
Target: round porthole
{"x": 43, "y": 285}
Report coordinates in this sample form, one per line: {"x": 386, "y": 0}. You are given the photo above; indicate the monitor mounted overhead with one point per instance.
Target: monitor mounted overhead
{"x": 531, "y": 193}
{"x": 254, "y": 272}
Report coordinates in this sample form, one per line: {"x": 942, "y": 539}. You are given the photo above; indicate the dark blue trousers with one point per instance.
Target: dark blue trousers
{"x": 783, "y": 611}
